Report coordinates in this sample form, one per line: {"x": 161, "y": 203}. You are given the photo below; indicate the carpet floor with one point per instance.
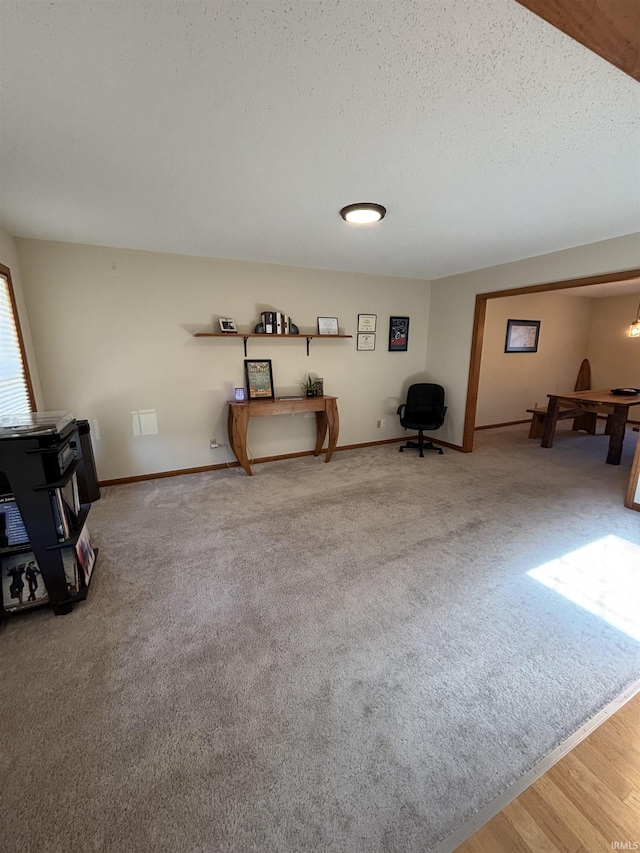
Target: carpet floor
{"x": 351, "y": 658}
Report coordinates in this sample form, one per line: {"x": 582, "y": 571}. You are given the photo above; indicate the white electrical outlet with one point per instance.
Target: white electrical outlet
{"x": 383, "y": 424}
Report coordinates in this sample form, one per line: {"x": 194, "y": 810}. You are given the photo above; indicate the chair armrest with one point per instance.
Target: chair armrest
{"x": 400, "y": 408}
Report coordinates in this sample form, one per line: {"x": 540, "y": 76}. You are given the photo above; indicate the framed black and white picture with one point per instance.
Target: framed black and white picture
{"x": 522, "y": 336}
{"x": 398, "y": 334}
{"x": 366, "y": 341}
{"x": 367, "y": 322}
{"x": 259, "y": 379}
{"x": 228, "y": 325}
{"x": 328, "y": 326}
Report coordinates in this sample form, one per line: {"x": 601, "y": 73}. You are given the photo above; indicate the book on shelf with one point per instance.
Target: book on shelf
{"x": 22, "y": 584}
{"x": 70, "y": 564}
{"x": 85, "y": 554}
{"x": 267, "y": 322}
{"x": 12, "y": 529}
{"x": 60, "y": 518}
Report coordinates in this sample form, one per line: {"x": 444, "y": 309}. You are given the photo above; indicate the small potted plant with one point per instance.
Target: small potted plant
{"x": 309, "y": 386}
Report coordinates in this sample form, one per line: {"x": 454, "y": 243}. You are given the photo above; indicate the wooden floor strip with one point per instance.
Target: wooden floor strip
{"x": 589, "y": 802}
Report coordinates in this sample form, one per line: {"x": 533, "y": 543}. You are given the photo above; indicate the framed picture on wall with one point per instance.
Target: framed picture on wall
{"x": 522, "y": 336}
{"x": 398, "y": 334}
{"x": 259, "y": 379}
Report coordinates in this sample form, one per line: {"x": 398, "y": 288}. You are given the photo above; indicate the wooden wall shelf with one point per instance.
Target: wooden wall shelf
{"x": 247, "y": 335}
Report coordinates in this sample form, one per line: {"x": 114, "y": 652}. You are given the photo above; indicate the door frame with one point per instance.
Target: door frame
{"x": 478, "y": 333}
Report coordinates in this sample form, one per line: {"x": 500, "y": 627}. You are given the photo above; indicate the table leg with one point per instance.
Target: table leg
{"x": 333, "y": 421}
{"x": 550, "y": 422}
{"x": 321, "y": 431}
{"x": 237, "y": 427}
{"x": 618, "y": 424}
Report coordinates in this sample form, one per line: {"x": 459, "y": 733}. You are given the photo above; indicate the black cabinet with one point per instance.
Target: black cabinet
{"x": 47, "y": 485}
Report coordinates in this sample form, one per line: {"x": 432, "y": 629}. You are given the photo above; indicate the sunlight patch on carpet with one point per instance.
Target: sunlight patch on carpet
{"x": 603, "y": 578}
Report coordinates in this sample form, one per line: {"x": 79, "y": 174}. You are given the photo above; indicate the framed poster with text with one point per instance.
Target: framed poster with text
{"x": 398, "y": 334}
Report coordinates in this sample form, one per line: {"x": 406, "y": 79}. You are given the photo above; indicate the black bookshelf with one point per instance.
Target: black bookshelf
{"x": 38, "y": 462}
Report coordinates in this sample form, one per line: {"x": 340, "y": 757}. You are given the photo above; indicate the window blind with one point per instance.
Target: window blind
{"x": 14, "y": 388}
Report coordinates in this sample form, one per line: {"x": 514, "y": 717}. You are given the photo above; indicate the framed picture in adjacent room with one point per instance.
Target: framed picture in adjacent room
{"x": 522, "y": 336}
{"x": 259, "y": 379}
{"x": 398, "y": 334}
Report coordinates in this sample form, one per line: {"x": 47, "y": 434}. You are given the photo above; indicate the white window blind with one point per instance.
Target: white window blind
{"x": 14, "y": 387}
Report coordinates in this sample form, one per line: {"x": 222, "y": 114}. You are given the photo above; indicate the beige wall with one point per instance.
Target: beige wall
{"x": 511, "y": 383}
{"x": 9, "y": 258}
{"x": 453, "y": 305}
{"x": 614, "y": 356}
{"x": 113, "y": 333}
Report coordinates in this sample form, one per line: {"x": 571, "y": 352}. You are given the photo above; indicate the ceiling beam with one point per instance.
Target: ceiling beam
{"x": 610, "y": 28}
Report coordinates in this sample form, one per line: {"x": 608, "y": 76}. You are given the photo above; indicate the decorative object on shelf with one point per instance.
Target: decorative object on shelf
{"x": 239, "y": 395}
{"x": 319, "y": 386}
{"x": 363, "y": 213}
{"x": 634, "y": 328}
{"x": 522, "y": 336}
{"x": 291, "y": 326}
{"x": 259, "y": 379}
{"x": 367, "y": 323}
{"x": 398, "y": 334}
{"x": 328, "y": 326}
{"x": 366, "y": 341}
{"x": 228, "y": 325}
{"x": 309, "y": 386}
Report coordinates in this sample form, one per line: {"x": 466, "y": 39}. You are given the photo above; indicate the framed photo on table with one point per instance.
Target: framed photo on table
{"x": 522, "y": 336}
{"x": 367, "y": 322}
{"x": 259, "y": 379}
{"x": 398, "y": 334}
{"x": 328, "y": 326}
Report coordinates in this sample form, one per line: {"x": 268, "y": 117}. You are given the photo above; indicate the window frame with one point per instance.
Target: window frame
{"x": 5, "y": 272}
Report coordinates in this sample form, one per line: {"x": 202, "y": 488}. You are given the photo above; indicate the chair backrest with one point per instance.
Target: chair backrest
{"x": 424, "y": 397}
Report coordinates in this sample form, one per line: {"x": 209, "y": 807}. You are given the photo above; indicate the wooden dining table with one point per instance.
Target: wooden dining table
{"x": 615, "y": 406}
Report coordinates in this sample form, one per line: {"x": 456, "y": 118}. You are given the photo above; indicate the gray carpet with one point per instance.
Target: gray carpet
{"x": 347, "y": 657}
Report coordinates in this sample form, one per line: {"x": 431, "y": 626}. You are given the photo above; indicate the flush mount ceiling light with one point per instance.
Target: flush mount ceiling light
{"x": 363, "y": 213}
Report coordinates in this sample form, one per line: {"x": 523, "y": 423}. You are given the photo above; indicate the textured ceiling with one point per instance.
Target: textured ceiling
{"x": 239, "y": 129}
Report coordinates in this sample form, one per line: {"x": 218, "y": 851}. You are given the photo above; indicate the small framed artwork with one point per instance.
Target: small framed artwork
{"x": 522, "y": 336}
{"x": 398, "y": 334}
{"x": 366, "y": 341}
{"x": 328, "y": 326}
{"x": 239, "y": 395}
{"x": 228, "y": 325}
{"x": 259, "y": 379}
{"x": 367, "y": 323}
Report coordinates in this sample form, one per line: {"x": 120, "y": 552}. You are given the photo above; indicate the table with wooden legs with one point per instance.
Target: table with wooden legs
{"x": 616, "y": 407}
{"x": 325, "y": 408}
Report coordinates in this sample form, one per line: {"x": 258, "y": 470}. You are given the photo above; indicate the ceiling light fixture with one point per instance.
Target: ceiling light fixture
{"x": 363, "y": 213}
{"x": 634, "y": 328}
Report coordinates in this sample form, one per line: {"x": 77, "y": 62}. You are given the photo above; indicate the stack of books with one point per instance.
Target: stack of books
{"x": 276, "y": 323}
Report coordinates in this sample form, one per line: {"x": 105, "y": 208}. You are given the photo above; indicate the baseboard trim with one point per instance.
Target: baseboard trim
{"x": 449, "y": 844}
{"x": 160, "y": 475}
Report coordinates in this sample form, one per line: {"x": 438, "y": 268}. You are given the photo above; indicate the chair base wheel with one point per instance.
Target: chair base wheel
{"x": 414, "y": 445}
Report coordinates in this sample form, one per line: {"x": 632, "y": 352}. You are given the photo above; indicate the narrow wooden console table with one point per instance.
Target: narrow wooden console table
{"x": 326, "y": 409}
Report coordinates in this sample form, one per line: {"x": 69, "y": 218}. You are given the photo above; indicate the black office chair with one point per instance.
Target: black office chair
{"x": 424, "y": 409}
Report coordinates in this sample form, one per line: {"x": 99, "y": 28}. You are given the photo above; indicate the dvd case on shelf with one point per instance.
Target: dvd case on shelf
{"x": 22, "y": 584}
{"x": 85, "y": 554}
{"x": 12, "y": 529}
